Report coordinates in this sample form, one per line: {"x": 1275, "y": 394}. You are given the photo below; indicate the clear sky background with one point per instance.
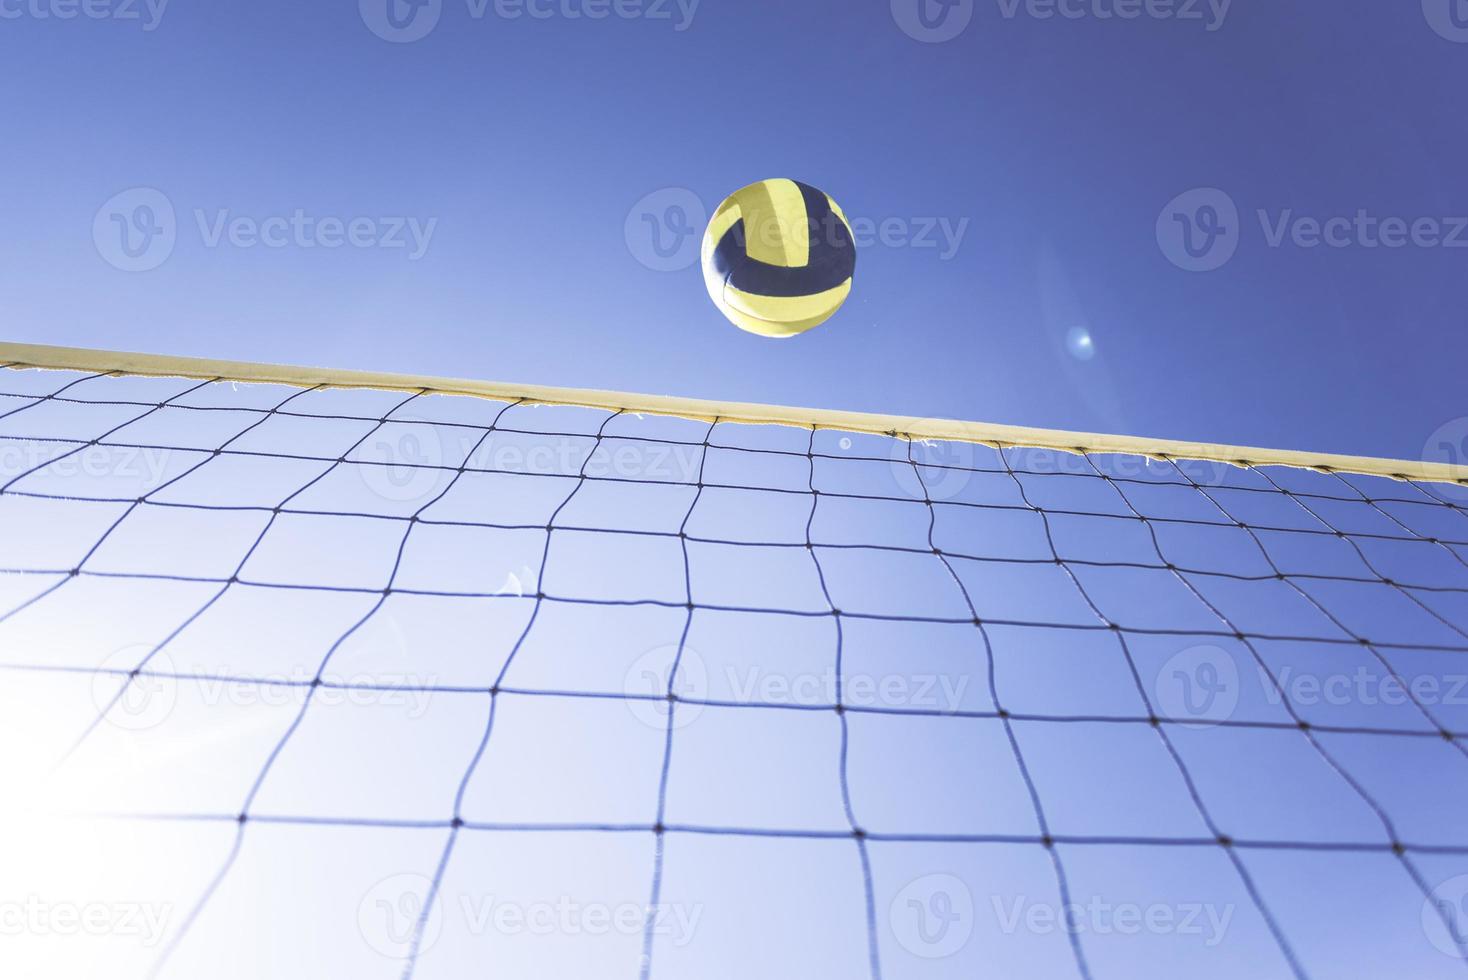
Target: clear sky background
{"x": 1054, "y": 144}
{"x": 1023, "y": 184}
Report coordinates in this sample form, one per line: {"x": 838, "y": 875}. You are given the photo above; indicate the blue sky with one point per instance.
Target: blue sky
{"x": 520, "y": 147}
{"x": 1231, "y": 222}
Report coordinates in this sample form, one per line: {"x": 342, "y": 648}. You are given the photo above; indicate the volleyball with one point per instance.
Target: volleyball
{"x": 778, "y": 258}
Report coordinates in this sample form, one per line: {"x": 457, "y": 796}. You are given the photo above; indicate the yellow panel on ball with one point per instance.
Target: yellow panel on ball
{"x": 778, "y": 258}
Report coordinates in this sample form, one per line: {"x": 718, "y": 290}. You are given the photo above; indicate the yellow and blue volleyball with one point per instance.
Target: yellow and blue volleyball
{"x": 778, "y": 258}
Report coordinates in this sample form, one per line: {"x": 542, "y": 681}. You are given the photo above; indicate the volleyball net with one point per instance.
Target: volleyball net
{"x": 418, "y": 676}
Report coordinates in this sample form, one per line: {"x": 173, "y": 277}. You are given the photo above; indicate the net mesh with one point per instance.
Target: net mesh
{"x": 415, "y": 684}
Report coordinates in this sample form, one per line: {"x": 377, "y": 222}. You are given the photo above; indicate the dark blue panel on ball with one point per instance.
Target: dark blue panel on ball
{"x": 832, "y": 255}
